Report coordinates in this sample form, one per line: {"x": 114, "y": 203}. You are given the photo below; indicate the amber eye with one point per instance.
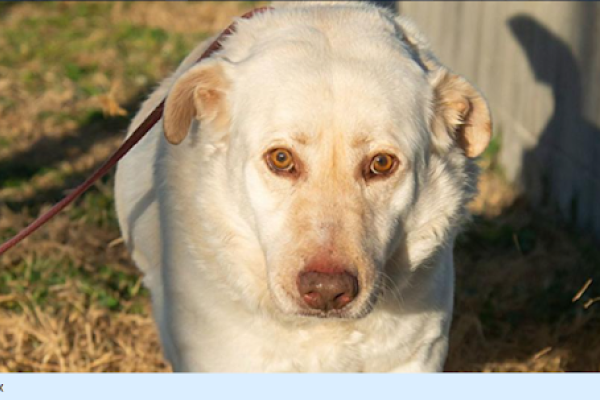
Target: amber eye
{"x": 382, "y": 164}
{"x": 280, "y": 160}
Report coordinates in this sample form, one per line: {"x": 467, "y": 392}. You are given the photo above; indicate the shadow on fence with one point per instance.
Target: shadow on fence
{"x": 561, "y": 166}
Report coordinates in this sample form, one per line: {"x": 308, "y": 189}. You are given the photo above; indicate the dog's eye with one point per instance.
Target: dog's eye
{"x": 382, "y": 164}
{"x": 280, "y": 160}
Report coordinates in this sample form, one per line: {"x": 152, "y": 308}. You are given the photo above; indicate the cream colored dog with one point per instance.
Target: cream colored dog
{"x": 305, "y": 221}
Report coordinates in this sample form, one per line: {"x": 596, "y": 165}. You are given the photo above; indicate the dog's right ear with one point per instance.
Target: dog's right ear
{"x": 461, "y": 113}
{"x": 199, "y": 93}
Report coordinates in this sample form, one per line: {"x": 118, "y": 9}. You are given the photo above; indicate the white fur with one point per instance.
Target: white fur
{"x": 209, "y": 225}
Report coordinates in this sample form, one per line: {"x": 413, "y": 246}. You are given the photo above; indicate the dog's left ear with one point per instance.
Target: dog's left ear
{"x": 461, "y": 114}
{"x": 199, "y": 93}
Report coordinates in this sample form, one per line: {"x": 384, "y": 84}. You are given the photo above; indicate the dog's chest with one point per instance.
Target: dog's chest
{"x": 315, "y": 351}
{"x": 270, "y": 347}
{"x": 340, "y": 350}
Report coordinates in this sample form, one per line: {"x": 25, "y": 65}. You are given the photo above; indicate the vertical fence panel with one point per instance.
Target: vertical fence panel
{"x": 538, "y": 63}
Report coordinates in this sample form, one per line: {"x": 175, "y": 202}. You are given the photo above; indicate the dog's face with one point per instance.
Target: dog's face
{"x": 329, "y": 147}
{"x": 328, "y": 150}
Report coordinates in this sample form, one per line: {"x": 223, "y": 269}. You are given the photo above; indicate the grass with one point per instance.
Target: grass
{"x": 71, "y": 77}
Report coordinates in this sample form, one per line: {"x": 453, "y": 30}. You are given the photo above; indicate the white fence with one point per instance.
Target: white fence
{"x": 538, "y": 63}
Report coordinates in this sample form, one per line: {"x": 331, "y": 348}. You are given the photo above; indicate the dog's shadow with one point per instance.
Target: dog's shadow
{"x": 563, "y": 164}
{"x": 518, "y": 274}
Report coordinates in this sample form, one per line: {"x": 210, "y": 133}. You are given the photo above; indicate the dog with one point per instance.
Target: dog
{"x": 295, "y": 209}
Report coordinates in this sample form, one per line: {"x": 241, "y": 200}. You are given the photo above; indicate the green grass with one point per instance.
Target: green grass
{"x": 493, "y": 149}
{"x": 7, "y": 104}
{"x": 491, "y": 154}
{"x": 44, "y": 280}
{"x": 17, "y": 176}
{"x": 74, "y": 44}
{"x": 78, "y": 47}
{"x": 96, "y": 209}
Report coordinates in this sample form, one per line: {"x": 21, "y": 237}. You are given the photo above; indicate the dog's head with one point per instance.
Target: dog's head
{"x": 341, "y": 144}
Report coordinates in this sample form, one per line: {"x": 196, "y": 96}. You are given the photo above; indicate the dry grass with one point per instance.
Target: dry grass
{"x": 78, "y": 341}
{"x": 72, "y": 75}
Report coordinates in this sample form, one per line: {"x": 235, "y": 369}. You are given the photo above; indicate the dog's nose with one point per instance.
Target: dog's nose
{"x": 327, "y": 290}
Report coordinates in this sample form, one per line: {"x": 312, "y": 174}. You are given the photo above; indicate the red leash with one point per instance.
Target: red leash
{"x": 135, "y": 137}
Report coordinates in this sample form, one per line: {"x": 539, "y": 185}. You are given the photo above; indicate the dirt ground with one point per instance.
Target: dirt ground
{"x": 71, "y": 77}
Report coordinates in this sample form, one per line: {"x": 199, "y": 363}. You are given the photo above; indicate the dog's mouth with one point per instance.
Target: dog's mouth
{"x": 345, "y": 313}
{"x": 342, "y": 314}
